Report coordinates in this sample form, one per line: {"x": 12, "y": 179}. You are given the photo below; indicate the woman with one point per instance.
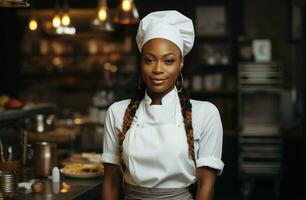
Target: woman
{"x": 159, "y": 142}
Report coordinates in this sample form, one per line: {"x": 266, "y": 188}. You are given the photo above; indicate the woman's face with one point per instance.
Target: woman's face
{"x": 161, "y": 62}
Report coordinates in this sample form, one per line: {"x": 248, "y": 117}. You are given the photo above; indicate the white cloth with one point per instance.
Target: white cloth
{"x": 155, "y": 153}
{"x": 207, "y": 133}
{"x": 170, "y": 25}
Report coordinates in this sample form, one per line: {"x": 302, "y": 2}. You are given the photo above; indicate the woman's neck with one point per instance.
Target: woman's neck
{"x": 157, "y": 97}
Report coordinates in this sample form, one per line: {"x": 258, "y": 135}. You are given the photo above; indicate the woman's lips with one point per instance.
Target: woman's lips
{"x": 157, "y": 81}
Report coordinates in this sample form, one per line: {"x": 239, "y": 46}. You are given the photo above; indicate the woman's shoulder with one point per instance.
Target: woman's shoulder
{"x": 204, "y": 116}
{"x": 203, "y": 106}
{"x": 204, "y": 110}
{"x": 119, "y": 106}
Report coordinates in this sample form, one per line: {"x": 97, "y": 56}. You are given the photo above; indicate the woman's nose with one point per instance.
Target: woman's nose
{"x": 158, "y": 68}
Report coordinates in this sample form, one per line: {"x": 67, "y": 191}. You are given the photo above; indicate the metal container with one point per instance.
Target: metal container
{"x": 45, "y": 158}
{"x": 42, "y": 123}
{"x": 8, "y": 184}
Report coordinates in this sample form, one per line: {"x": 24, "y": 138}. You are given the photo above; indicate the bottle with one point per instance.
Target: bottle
{"x": 55, "y": 175}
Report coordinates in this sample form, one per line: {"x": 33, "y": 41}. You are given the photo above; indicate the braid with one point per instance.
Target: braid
{"x": 127, "y": 121}
{"x": 187, "y": 115}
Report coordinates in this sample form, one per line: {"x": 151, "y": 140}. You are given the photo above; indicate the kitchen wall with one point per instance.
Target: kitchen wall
{"x": 9, "y": 55}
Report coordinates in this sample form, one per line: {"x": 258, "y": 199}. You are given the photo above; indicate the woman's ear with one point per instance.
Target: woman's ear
{"x": 181, "y": 63}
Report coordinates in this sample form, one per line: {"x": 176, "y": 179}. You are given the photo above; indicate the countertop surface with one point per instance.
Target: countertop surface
{"x": 89, "y": 189}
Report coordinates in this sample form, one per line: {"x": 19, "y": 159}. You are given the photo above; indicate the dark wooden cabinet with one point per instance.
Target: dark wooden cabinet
{"x": 212, "y": 66}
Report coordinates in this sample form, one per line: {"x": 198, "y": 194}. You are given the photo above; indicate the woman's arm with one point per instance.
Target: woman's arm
{"x": 112, "y": 182}
{"x": 206, "y": 180}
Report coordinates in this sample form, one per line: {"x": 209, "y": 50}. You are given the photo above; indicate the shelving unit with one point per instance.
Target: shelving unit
{"x": 73, "y": 68}
{"x": 212, "y": 67}
{"x": 260, "y": 137}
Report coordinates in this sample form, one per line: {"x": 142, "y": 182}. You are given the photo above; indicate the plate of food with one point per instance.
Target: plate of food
{"x": 81, "y": 170}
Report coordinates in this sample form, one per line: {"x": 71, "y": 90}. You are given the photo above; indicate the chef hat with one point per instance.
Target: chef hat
{"x": 170, "y": 25}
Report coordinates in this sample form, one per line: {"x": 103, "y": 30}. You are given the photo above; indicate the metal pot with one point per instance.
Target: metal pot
{"x": 45, "y": 158}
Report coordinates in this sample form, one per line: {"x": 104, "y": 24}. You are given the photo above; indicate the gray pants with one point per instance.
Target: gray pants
{"x": 140, "y": 193}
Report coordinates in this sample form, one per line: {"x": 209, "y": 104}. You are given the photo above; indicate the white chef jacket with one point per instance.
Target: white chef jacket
{"x": 207, "y": 128}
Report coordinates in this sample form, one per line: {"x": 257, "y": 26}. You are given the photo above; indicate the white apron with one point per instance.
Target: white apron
{"x": 157, "y": 155}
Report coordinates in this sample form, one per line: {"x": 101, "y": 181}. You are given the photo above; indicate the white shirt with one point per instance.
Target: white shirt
{"x": 206, "y": 123}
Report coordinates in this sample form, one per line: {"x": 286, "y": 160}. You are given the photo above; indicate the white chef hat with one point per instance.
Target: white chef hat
{"x": 170, "y": 25}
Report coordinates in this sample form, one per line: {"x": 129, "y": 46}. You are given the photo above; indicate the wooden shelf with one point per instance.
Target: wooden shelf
{"x": 58, "y": 135}
{"x": 27, "y": 111}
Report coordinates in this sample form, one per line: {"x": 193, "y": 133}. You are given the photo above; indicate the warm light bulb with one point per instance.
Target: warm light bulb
{"x": 66, "y": 19}
{"x": 56, "y": 21}
{"x": 33, "y": 25}
{"x": 102, "y": 14}
{"x": 126, "y": 5}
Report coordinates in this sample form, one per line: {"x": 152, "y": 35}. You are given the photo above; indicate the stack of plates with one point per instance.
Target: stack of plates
{"x": 8, "y": 183}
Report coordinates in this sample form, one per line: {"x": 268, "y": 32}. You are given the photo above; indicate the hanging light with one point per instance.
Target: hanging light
{"x": 66, "y": 18}
{"x": 56, "y": 21}
{"x": 33, "y": 25}
{"x": 127, "y": 13}
{"x": 61, "y": 21}
{"x": 126, "y": 5}
{"x": 102, "y": 13}
{"x": 103, "y": 20}
{"x": 14, "y": 3}
{"x": 65, "y": 26}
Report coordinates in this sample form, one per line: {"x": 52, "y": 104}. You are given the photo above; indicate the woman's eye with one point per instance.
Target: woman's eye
{"x": 169, "y": 62}
{"x": 148, "y": 60}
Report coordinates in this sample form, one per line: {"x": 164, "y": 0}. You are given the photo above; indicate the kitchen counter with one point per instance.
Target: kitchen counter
{"x": 89, "y": 189}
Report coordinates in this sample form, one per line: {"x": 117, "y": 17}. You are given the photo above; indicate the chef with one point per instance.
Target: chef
{"x": 159, "y": 142}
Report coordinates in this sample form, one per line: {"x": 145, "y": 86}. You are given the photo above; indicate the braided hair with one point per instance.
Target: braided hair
{"x": 130, "y": 113}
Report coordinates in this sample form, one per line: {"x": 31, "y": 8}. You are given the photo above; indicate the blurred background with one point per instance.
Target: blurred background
{"x": 75, "y": 58}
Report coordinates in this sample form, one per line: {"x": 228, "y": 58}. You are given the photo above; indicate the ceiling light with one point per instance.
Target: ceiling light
{"x": 33, "y": 25}
{"x": 127, "y": 13}
{"x": 103, "y": 20}
{"x": 56, "y": 21}
{"x": 66, "y": 19}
